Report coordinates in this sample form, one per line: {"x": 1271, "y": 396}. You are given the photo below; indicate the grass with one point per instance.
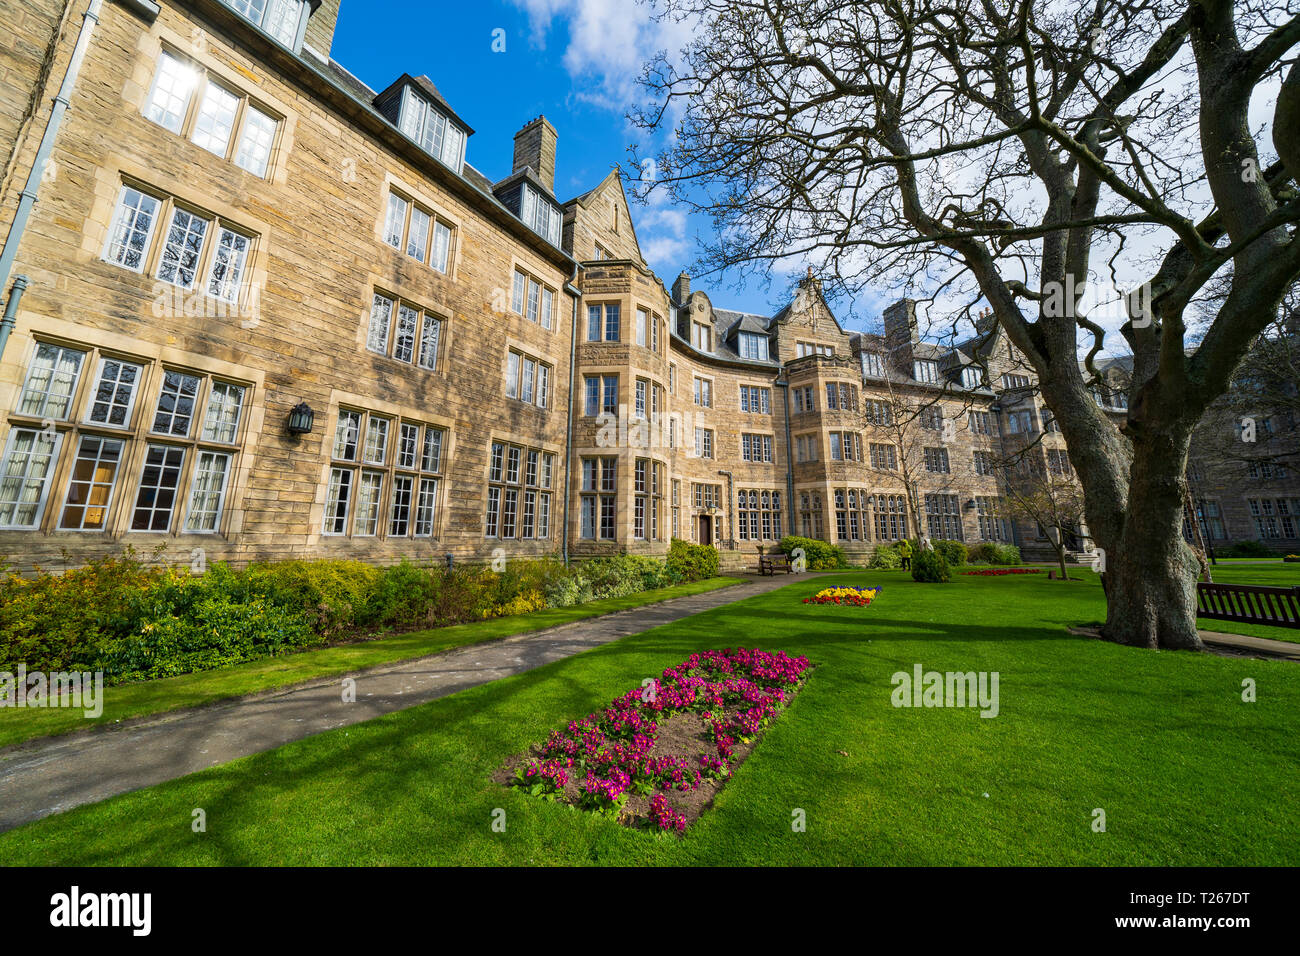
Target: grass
{"x": 206, "y": 687}
{"x": 1186, "y": 772}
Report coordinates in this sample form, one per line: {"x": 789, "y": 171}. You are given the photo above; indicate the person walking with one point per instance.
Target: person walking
{"x": 905, "y": 552}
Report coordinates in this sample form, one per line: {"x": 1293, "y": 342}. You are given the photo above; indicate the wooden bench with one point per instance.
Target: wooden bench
{"x": 771, "y": 563}
{"x": 1249, "y": 604}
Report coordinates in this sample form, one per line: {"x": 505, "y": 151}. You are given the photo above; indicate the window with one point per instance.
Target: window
{"x": 519, "y": 492}
{"x": 223, "y": 121}
{"x": 672, "y": 378}
{"x": 932, "y": 417}
{"x": 647, "y": 330}
{"x": 128, "y": 239}
{"x": 703, "y": 391}
{"x": 598, "y": 503}
{"x": 404, "y": 332}
{"x": 891, "y": 517}
{"x": 676, "y": 506}
{"x": 993, "y": 527}
{"x": 758, "y": 515}
{"x": 841, "y": 395}
{"x": 603, "y": 323}
{"x": 924, "y": 370}
{"x": 703, "y": 443}
{"x": 527, "y": 379}
{"x": 805, "y": 448}
{"x": 436, "y": 133}
{"x": 756, "y": 448}
{"x": 702, "y": 336}
{"x": 281, "y": 19}
{"x": 845, "y": 446}
{"x": 755, "y": 400}
{"x": 1049, "y": 421}
{"x": 51, "y": 382}
{"x": 191, "y": 240}
{"x": 601, "y": 253}
{"x": 884, "y": 457}
{"x": 1020, "y": 422}
{"x": 878, "y": 413}
{"x": 812, "y": 348}
{"x": 753, "y": 346}
{"x": 810, "y": 515}
{"x": 1265, "y": 469}
{"x": 983, "y": 462}
{"x": 601, "y": 392}
{"x": 972, "y": 376}
{"x": 981, "y": 423}
{"x": 852, "y": 519}
{"x": 52, "y": 389}
{"x": 532, "y": 299}
{"x": 540, "y": 214}
{"x": 936, "y": 460}
{"x": 1058, "y": 462}
{"x": 943, "y": 517}
{"x": 647, "y": 501}
{"x": 384, "y": 477}
{"x": 421, "y": 234}
{"x": 872, "y": 365}
{"x": 706, "y": 497}
{"x": 641, "y": 396}
{"x": 25, "y": 473}
{"x": 804, "y": 399}
{"x": 1013, "y": 381}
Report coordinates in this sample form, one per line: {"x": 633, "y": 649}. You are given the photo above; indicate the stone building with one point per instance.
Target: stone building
{"x": 258, "y": 310}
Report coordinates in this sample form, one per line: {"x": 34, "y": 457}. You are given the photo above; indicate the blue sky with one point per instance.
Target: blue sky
{"x": 572, "y": 60}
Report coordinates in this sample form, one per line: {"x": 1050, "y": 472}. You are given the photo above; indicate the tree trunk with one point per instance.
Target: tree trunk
{"x": 1151, "y": 573}
{"x": 1060, "y": 556}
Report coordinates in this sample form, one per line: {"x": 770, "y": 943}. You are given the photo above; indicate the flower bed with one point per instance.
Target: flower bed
{"x": 855, "y": 597}
{"x": 998, "y": 572}
{"x": 655, "y": 757}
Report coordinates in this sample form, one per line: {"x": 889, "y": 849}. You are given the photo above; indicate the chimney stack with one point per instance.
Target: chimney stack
{"x": 900, "y": 333}
{"x": 535, "y": 147}
{"x": 682, "y": 288}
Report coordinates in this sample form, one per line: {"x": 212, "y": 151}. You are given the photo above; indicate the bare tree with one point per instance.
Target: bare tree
{"x": 1051, "y": 498}
{"x": 1012, "y": 153}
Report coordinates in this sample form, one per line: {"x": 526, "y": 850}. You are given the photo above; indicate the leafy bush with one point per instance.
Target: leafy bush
{"x": 885, "y": 559}
{"x": 821, "y": 555}
{"x": 954, "y": 552}
{"x": 338, "y": 593}
{"x": 930, "y": 567}
{"x": 135, "y": 621}
{"x": 692, "y": 562}
{"x": 1246, "y": 549}
{"x": 990, "y": 552}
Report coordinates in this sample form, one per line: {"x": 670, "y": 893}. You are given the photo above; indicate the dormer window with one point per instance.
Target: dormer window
{"x": 753, "y": 346}
{"x": 431, "y": 128}
{"x": 924, "y": 370}
{"x": 283, "y": 20}
{"x": 972, "y": 376}
{"x": 872, "y": 365}
{"x": 702, "y": 336}
{"x": 540, "y": 215}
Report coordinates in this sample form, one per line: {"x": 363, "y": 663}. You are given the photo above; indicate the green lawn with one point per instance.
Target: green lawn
{"x": 1186, "y": 773}
{"x": 190, "y": 690}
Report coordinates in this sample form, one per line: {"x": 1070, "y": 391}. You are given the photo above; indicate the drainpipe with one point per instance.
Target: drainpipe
{"x": 572, "y": 289}
{"x": 731, "y": 520}
{"x": 27, "y": 198}
{"x": 11, "y": 311}
{"x": 783, "y": 383}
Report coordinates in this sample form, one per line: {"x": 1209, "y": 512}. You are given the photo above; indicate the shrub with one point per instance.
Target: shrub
{"x": 954, "y": 552}
{"x": 885, "y": 559}
{"x": 338, "y": 593}
{"x": 821, "y": 555}
{"x": 990, "y": 552}
{"x": 930, "y": 567}
{"x": 404, "y": 595}
{"x": 1246, "y": 549}
{"x": 692, "y": 562}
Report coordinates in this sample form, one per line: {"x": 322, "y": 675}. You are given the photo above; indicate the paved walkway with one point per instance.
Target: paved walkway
{"x": 51, "y": 775}
{"x": 1236, "y": 644}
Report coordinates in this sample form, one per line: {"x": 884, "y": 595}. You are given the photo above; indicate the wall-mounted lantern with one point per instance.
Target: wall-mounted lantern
{"x": 301, "y": 419}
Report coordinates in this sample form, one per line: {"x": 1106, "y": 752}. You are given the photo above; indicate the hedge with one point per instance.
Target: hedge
{"x": 820, "y": 555}
{"x": 134, "y": 620}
